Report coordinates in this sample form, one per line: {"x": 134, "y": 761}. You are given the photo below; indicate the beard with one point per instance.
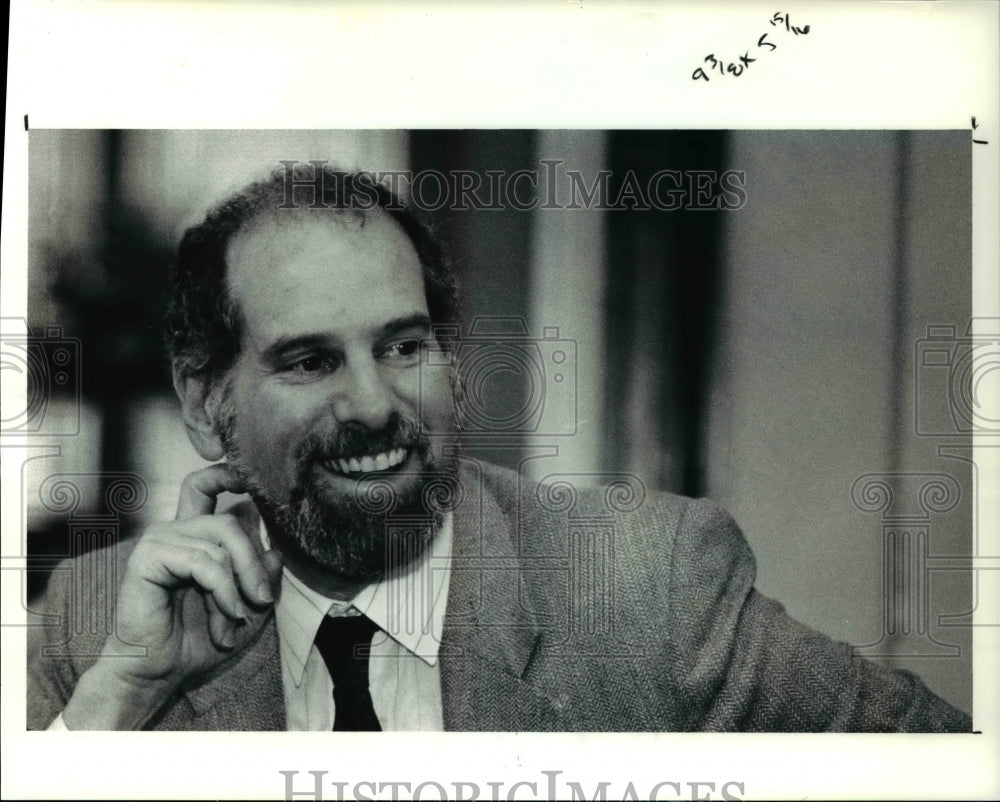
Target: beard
{"x": 381, "y": 527}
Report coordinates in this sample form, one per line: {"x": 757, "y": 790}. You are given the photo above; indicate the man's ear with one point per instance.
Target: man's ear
{"x": 194, "y": 394}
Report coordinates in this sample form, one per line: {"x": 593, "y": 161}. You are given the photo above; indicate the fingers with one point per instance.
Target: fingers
{"x": 216, "y": 554}
{"x": 201, "y": 488}
{"x": 194, "y": 590}
{"x": 209, "y": 553}
{"x": 221, "y": 628}
{"x": 225, "y": 532}
{"x": 224, "y": 630}
{"x": 172, "y": 564}
{"x": 167, "y": 560}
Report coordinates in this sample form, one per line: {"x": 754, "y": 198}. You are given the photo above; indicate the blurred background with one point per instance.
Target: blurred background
{"x": 765, "y": 356}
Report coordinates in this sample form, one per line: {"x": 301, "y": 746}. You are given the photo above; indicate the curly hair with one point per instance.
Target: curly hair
{"x": 203, "y": 323}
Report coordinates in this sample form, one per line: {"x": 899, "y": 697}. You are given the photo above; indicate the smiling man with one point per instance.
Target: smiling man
{"x": 326, "y": 388}
{"x": 378, "y": 580}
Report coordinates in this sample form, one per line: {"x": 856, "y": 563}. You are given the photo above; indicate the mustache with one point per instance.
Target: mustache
{"x": 358, "y": 440}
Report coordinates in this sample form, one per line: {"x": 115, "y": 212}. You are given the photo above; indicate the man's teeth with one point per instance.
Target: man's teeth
{"x": 379, "y": 462}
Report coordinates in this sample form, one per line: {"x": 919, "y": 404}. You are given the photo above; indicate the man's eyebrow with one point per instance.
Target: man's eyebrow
{"x": 305, "y": 342}
{"x": 288, "y": 343}
{"x": 416, "y": 321}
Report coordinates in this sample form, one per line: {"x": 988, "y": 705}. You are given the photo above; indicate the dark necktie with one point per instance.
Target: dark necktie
{"x": 345, "y": 643}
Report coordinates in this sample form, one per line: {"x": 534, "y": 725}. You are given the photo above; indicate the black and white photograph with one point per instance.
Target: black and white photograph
{"x": 610, "y": 433}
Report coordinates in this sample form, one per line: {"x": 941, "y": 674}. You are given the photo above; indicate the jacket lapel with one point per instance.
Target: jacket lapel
{"x": 491, "y": 637}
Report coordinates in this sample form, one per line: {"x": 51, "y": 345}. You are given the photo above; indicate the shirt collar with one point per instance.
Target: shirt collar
{"x": 408, "y": 605}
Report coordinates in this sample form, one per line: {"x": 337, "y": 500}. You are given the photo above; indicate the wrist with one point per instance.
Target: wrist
{"x": 104, "y": 700}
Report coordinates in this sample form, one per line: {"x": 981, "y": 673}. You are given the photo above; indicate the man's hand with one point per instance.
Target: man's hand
{"x": 194, "y": 593}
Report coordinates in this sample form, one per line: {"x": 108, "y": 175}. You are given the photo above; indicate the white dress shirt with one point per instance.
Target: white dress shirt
{"x": 404, "y": 675}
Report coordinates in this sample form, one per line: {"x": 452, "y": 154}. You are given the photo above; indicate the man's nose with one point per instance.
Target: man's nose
{"x": 365, "y": 396}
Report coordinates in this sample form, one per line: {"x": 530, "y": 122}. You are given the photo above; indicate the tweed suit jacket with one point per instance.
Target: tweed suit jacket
{"x": 599, "y": 610}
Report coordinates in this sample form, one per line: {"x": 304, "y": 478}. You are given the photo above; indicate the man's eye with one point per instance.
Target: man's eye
{"x": 313, "y": 364}
{"x": 403, "y": 348}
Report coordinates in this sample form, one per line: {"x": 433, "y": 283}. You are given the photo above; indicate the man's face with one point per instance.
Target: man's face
{"x": 327, "y": 394}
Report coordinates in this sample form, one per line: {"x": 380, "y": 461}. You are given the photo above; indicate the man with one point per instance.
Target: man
{"x": 379, "y": 580}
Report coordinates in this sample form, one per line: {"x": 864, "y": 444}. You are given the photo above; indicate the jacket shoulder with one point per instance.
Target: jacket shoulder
{"x": 653, "y": 520}
{"x": 68, "y": 626}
